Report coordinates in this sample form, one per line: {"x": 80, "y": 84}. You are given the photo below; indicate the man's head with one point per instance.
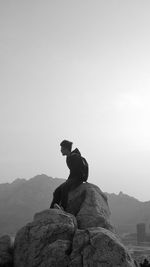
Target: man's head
{"x": 66, "y": 147}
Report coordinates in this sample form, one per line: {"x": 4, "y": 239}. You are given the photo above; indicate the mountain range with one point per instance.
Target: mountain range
{"x": 21, "y": 199}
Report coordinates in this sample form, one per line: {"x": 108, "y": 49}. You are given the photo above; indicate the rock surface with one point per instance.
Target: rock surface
{"x": 46, "y": 241}
{"x": 98, "y": 247}
{"x": 89, "y": 204}
{"x": 80, "y": 237}
{"x": 6, "y": 257}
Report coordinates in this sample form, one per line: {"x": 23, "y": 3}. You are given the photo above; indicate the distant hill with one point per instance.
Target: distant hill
{"x": 127, "y": 211}
{"x": 21, "y": 199}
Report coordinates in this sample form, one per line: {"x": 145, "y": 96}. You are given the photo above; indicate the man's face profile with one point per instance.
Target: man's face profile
{"x": 64, "y": 151}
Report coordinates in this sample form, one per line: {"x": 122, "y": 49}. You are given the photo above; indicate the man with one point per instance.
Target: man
{"x": 75, "y": 165}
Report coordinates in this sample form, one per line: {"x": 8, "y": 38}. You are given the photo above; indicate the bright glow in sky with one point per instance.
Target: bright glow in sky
{"x": 76, "y": 70}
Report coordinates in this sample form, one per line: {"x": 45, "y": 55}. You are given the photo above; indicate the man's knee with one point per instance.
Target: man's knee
{"x": 58, "y": 190}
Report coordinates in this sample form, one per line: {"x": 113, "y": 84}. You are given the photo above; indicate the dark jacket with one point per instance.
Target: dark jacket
{"x": 74, "y": 163}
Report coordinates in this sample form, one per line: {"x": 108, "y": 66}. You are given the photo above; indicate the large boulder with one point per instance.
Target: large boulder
{"x": 82, "y": 236}
{"x": 99, "y": 247}
{"x": 6, "y": 257}
{"x": 46, "y": 241}
{"x": 89, "y": 204}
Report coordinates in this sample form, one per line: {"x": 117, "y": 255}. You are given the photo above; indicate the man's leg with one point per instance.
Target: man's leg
{"x": 69, "y": 185}
{"x": 56, "y": 196}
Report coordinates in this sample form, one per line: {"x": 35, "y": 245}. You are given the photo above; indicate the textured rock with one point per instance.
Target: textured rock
{"x": 99, "y": 247}
{"x": 6, "y": 258}
{"x": 89, "y": 204}
{"x": 46, "y": 241}
{"x": 53, "y": 239}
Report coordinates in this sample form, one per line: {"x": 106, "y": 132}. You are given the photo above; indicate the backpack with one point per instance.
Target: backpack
{"x": 85, "y": 169}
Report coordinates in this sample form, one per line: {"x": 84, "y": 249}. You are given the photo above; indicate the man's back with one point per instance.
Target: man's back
{"x": 74, "y": 163}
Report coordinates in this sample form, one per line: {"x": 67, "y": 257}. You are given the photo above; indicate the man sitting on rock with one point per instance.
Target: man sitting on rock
{"x": 75, "y": 165}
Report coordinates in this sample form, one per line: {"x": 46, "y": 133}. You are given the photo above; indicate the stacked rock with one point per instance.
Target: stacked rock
{"x": 80, "y": 236}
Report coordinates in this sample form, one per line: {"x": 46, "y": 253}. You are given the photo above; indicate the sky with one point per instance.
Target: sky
{"x": 76, "y": 70}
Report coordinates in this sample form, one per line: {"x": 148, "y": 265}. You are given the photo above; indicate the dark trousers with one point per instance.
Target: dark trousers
{"x": 60, "y": 195}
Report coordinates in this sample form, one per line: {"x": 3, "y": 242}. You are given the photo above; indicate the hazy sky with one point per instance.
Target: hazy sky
{"x": 76, "y": 70}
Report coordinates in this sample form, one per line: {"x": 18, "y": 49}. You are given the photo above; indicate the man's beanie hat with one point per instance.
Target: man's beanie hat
{"x": 66, "y": 144}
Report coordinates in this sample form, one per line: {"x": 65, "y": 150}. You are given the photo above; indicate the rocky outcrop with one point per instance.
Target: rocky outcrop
{"x": 98, "y": 247}
{"x": 82, "y": 236}
{"x": 6, "y": 257}
{"x": 90, "y": 207}
{"x": 52, "y": 239}
{"x": 46, "y": 241}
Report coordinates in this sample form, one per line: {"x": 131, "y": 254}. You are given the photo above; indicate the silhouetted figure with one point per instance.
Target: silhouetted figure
{"x": 75, "y": 164}
{"x": 145, "y": 263}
